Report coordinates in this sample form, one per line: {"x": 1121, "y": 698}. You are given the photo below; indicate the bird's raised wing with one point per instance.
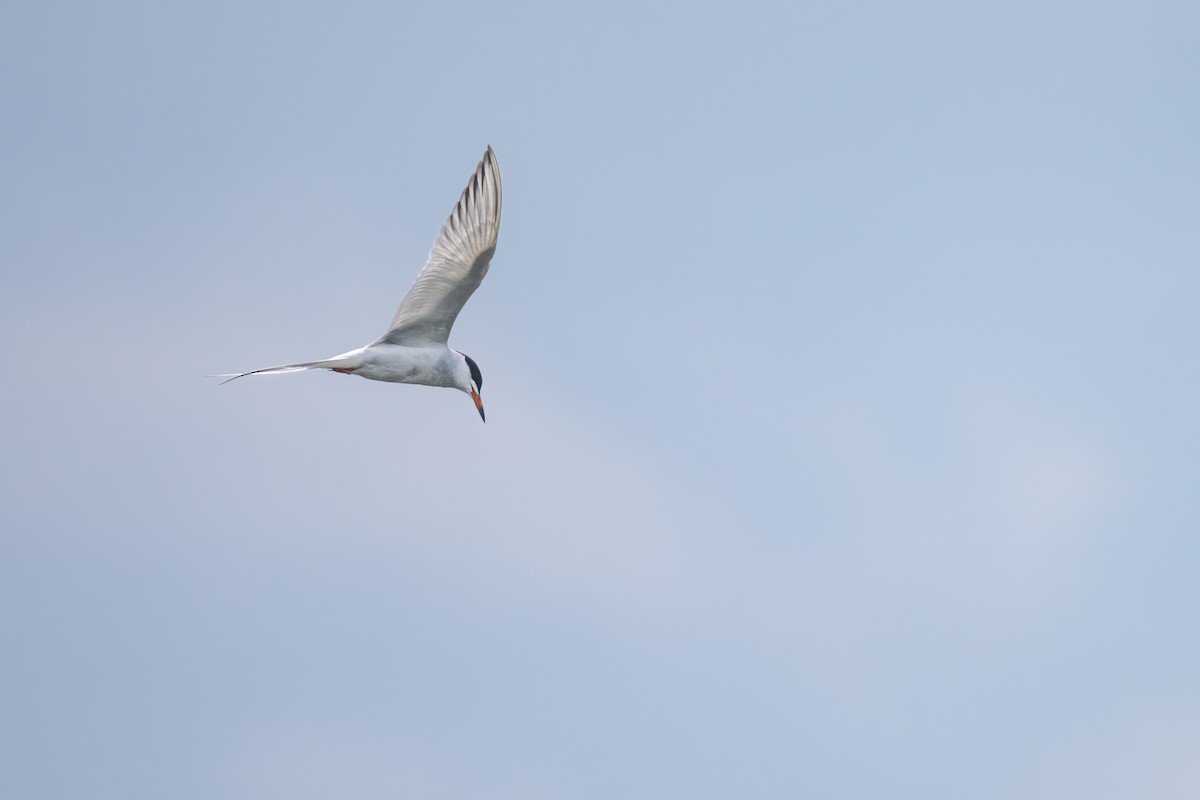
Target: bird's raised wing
{"x": 456, "y": 265}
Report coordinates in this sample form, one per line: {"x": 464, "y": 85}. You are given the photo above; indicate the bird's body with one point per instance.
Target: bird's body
{"x": 414, "y": 349}
{"x": 397, "y": 363}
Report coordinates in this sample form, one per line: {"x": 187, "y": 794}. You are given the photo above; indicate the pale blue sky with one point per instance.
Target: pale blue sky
{"x": 840, "y": 366}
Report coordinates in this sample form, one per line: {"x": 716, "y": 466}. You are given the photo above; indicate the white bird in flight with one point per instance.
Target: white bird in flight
{"x": 414, "y": 348}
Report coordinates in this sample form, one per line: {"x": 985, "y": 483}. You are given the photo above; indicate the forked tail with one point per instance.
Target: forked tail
{"x": 331, "y": 363}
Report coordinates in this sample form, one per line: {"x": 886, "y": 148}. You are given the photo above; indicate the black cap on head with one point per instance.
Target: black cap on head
{"x": 476, "y": 375}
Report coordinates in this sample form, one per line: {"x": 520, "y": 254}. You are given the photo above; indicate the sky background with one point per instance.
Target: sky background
{"x": 840, "y": 364}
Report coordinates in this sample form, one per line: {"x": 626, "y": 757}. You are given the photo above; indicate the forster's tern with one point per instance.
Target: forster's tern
{"x": 414, "y": 348}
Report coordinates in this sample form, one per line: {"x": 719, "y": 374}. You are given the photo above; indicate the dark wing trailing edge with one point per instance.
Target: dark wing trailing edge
{"x": 456, "y": 265}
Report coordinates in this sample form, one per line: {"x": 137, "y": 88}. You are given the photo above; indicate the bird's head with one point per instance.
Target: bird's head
{"x": 472, "y": 382}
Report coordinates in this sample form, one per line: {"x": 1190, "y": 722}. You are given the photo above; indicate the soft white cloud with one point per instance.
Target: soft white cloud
{"x": 541, "y": 502}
